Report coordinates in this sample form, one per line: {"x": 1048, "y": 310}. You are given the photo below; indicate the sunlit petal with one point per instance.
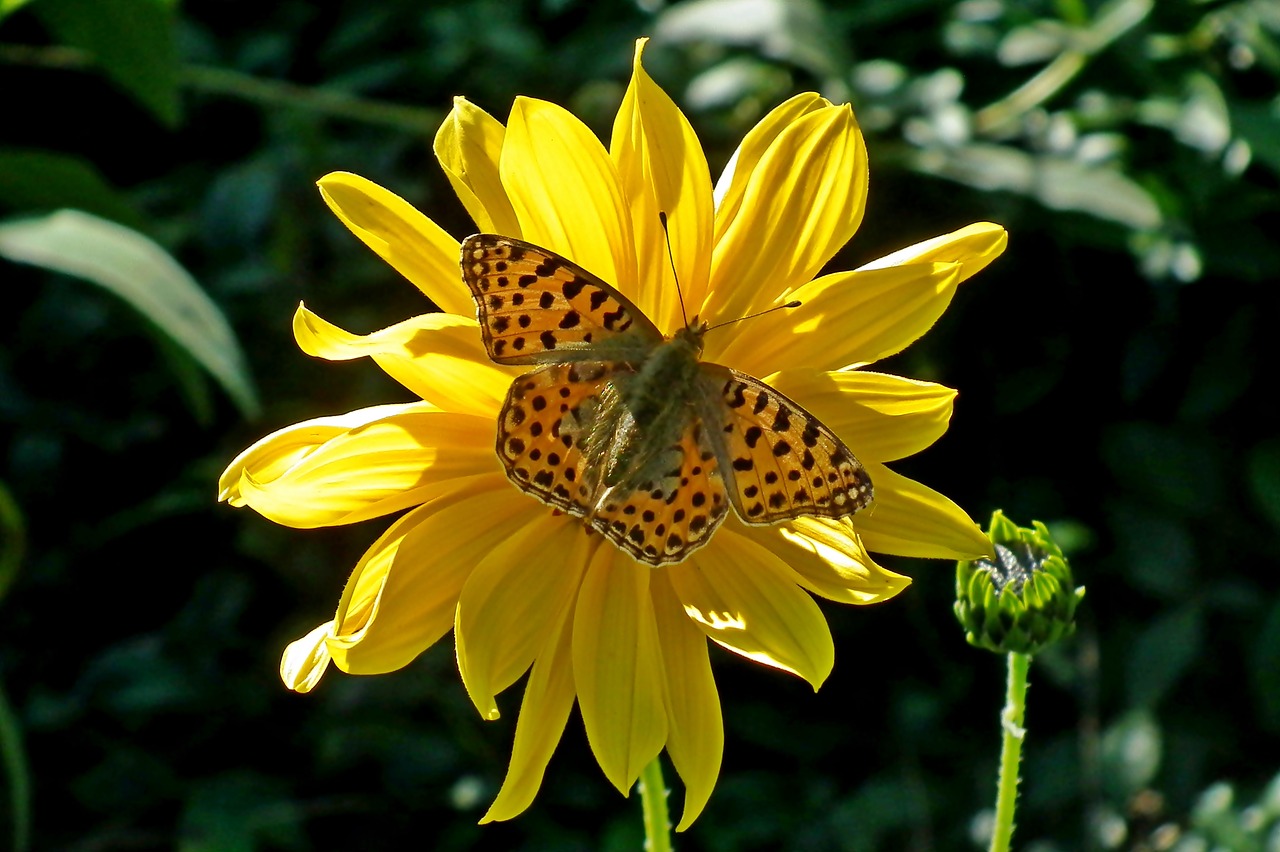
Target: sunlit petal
{"x": 544, "y": 710}
{"x": 416, "y": 247}
{"x": 663, "y": 170}
{"x": 695, "y": 729}
{"x": 844, "y": 319}
{"x": 437, "y": 356}
{"x": 829, "y": 558}
{"x": 880, "y": 417}
{"x": 513, "y": 599}
{"x": 469, "y": 146}
{"x": 802, "y": 202}
{"x": 374, "y": 469}
{"x": 566, "y": 192}
{"x": 401, "y": 597}
{"x": 746, "y": 599}
{"x": 910, "y": 519}
{"x": 617, "y": 666}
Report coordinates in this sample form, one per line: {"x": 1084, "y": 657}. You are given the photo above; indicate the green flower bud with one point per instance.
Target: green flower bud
{"x": 1022, "y": 601}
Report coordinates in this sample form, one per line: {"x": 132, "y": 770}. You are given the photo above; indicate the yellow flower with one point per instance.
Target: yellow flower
{"x": 522, "y": 587}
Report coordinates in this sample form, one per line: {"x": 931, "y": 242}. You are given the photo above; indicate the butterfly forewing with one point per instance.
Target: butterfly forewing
{"x": 782, "y": 462}
{"x": 537, "y": 307}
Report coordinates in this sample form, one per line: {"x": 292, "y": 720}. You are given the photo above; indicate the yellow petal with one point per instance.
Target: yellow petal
{"x": 845, "y": 319}
{"x": 732, "y": 185}
{"x": 910, "y": 519}
{"x": 513, "y": 599}
{"x": 416, "y": 247}
{"x": 617, "y": 666}
{"x": 748, "y": 600}
{"x": 566, "y": 192}
{"x": 271, "y": 456}
{"x": 402, "y": 594}
{"x": 372, "y": 470}
{"x": 973, "y": 247}
{"x": 695, "y": 729}
{"x": 880, "y": 417}
{"x": 802, "y": 203}
{"x": 828, "y": 558}
{"x": 305, "y": 660}
{"x": 437, "y": 356}
{"x": 548, "y": 698}
{"x": 663, "y": 170}
{"x": 468, "y": 146}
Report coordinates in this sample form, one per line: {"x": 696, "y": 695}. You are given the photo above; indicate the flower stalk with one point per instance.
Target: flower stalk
{"x": 653, "y": 802}
{"x": 1013, "y": 733}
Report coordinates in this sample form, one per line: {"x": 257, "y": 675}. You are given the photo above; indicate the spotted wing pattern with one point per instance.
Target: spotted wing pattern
{"x": 663, "y": 522}
{"x": 782, "y": 461}
{"x": 537, "y": 307}
{"x": 544, "y": 432}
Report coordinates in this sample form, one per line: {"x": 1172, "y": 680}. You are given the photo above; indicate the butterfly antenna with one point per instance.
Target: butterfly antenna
{"x": 795, "y": 303}
{"x": 662, "y": 217}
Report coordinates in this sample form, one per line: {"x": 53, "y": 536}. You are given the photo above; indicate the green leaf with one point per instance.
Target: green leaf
{"x": 1162, "y": 655}
{"x": 132, "y": 40}
{"x": 139, "y": 271}
{"x": 8, "y": 7}
{"x": 33, "y": 180}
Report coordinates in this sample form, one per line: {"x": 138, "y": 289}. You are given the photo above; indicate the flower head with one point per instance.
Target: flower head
{"x": 1024, "y": 599}
{"x": 521, "y": 586}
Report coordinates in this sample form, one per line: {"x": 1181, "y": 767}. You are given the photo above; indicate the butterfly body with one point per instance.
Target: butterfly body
{"x": 629, "y": 430}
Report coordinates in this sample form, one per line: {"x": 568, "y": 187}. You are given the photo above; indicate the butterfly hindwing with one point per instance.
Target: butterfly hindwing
{"x": 782, "y": 462}
{"x": 665, "y": 520}
{"x": 535, "y": 307}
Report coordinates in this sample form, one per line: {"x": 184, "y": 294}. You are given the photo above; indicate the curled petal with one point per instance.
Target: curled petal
{"x": 829, "y": 559}
{"x": 746, "y": 599}
{"x": 910, "y": 519}
{"x": 270, "y": 457}
{"x": 695, "y": 729}
{"x": 880, "y": 417}
{"x": 566, "y": 193}
{"x": 469, "y": 146}
{"x": 416, "y": 247}
{"x": 617, "y": 666}
{"x": 437, "y": 356}
{"x": 373, "y": 469}
{"x": 802, "y": 202}
{"x": 305, "y": 660}
{"x": 663, "y": 170}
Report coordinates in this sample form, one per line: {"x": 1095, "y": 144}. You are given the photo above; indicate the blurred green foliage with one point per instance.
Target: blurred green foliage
{"x": 1113, "y": 368}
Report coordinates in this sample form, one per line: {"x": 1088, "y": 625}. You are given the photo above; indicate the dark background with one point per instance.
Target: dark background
{"x": 1114, "y": 368}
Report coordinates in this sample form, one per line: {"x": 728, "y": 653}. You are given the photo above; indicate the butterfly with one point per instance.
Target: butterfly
{"x": 628, "y": 429}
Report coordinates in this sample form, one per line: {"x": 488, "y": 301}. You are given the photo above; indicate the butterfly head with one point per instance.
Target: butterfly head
{"x": 691, "y": 336}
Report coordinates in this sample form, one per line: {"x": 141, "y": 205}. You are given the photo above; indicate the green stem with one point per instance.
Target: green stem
{"x": 1011, "y": 751}
{"x": 653, "y": 800}
{"x": 15, "y": 766}
{"x": 334, "y": 103}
